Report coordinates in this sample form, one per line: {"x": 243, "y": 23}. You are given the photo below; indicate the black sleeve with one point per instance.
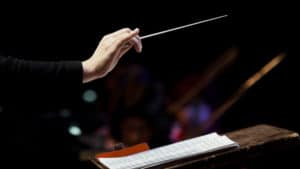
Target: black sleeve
{"x": 20, "y": 76}
{"x": 38, "y": 71}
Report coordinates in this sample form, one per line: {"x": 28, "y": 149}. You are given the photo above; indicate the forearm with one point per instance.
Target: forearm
{"x": 107, "y": 54}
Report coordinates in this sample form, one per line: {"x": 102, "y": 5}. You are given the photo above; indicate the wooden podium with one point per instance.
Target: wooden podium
{"x": 257, "y": 144}
{"x": 261, "y": 145}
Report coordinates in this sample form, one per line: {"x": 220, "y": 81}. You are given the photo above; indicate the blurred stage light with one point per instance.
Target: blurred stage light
{"x": 75, "y": 130}
{"x": 89, "y": 96}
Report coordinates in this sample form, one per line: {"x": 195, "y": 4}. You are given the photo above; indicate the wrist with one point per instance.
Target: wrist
{"x": 88, "y": 72}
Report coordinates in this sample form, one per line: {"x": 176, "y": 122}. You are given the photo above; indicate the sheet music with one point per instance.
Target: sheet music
{"x": 187, "y": 148}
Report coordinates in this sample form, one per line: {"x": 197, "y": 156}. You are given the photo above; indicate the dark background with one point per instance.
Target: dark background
{"x": 54, "y": 31}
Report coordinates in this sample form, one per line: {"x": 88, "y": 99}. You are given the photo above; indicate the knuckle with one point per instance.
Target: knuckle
{"x": 126, "y": 29}
{"x": 105, "y": 37}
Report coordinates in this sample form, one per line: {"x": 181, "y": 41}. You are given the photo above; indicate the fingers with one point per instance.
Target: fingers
{"x": 136, "y": 42}
{"x": 123, "y": 30}
{"x": 109, "y": 50}
{"x": 125, "y": 38}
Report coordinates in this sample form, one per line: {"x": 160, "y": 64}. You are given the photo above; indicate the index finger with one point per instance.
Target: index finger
{"x": 125, "y": 37}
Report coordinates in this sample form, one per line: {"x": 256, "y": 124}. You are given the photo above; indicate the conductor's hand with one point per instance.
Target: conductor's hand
{"x": 109, "y": 51}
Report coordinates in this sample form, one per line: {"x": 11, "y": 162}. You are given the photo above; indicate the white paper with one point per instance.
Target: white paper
{"x": 187, "y": 148}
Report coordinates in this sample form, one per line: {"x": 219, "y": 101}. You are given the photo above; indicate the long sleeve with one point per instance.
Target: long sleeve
{"x": 20, "y": 77}
{"x": 28, "y": 90}
{"x": 12, "y": 69}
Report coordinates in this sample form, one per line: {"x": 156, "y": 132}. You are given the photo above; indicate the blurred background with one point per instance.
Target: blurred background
{"x": 171, "y": 91}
